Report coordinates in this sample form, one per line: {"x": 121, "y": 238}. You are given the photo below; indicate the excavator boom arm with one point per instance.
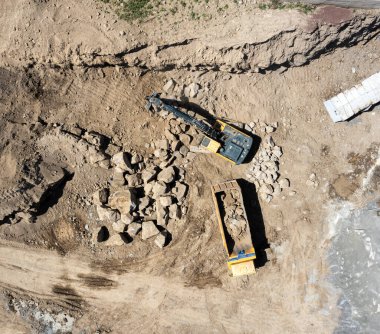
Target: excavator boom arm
{"x": 201, "y": 126}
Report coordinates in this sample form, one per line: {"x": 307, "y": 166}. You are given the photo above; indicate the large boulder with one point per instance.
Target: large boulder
{"x": 126, "y": 218}
{"x": 163, "y": 144}
{"x": 179, "y": 190}
{"x": 118, "y": 226}
{"x": 159, "y": 188}
{"x": 175, "y": 211}
{"x": 123, "y": 200}
{"x": 23, "y": 217}
{"x": 134, "y": 180}
{"x": 284, "y": 183}
{"x": 169, "y": 86}
{"x": 170, "y": 136}
{"x": 166, "y": 200}
{"x": 161, "y": 214}
{"x": 160, "y": 240}
{"x": 95, "y": 155}
{"x": 100, "y": 197}
{"x": 117, "y": 179}
{"x": 148, "y": 175}
{"x": 191, "y": 90}
{"x": 167, "y": 175}
{"x": 149, "y": 229}
{"x": 105, "y": 213}
{"x": 133, "y": 229}
{"x": 144, "y": 203}
{"x": 122, "y": 161}
{"x": 136, "y": 158}
{"x": 185, "y": 139}
{"x": 116, "y": 240}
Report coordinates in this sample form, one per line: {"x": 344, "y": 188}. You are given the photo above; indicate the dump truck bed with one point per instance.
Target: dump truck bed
{"x": 234, "y": 227}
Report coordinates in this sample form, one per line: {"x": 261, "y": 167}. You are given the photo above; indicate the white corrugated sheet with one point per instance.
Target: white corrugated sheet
{"x": 350, "y": 102}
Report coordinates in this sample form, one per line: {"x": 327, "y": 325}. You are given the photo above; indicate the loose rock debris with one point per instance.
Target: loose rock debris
{"x": 264, "y": 169}
{"x": 143, "y": 191}
{"x": 234, "y": 214}
{"x": 147, "y": 193}
{"x": 50, "y": 321}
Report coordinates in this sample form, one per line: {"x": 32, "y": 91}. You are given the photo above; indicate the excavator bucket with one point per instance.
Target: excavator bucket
{"x": 149, "y": 105}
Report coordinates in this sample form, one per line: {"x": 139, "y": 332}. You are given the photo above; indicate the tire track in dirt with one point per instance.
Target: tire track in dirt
{"x": 116, "y": 93}
{"x": 70, "y": 282}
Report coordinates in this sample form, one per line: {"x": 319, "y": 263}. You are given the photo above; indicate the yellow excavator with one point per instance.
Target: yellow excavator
{"x": 219, "y": 138}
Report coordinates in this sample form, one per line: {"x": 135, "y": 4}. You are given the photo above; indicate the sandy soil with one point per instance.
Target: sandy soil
{"x": 185, "y": 287}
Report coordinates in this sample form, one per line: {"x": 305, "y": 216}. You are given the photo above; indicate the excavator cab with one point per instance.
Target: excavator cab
{"x": 236, "y": 144}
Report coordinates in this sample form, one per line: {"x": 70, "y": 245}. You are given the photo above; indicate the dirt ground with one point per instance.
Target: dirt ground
{"x": 52, "y": 269}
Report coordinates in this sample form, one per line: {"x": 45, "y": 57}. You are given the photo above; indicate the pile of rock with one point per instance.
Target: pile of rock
{"x": 181, "y": 91}
{"x": 146, "y": 194}
{"x": 234, "y": 217}
{"x": 264, "y": 168}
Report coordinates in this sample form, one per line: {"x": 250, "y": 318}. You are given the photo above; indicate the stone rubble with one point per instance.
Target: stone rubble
{"x": 148, "y": 192}
{"x": 137, "y": 186}
{"x": 234, "y": 218}
{"x": 122, "y": 161}
{"x": 264, "y": 169}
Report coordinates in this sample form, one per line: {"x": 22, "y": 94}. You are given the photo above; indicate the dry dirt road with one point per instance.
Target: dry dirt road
{"x": 136, "y": 301}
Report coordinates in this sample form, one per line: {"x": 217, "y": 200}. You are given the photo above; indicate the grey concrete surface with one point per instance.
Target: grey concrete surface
{"x": 355, "y": 270}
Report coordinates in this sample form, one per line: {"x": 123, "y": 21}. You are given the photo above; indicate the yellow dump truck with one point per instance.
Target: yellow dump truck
{"x": 234, "y": 227}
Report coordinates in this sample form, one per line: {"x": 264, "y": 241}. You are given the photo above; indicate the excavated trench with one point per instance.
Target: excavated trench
{"x": 288, "y": 48}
